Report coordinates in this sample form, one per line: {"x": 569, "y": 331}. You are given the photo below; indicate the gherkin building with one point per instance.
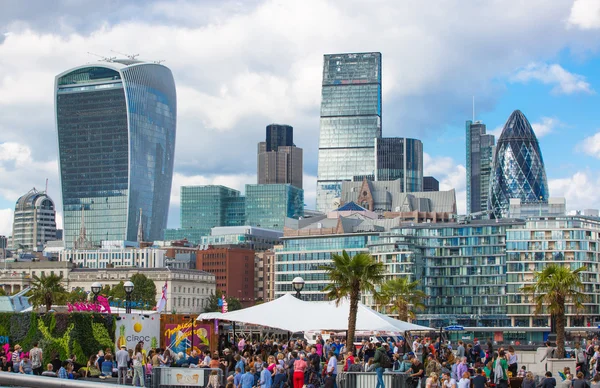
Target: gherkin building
{"x": 518, "y": 170}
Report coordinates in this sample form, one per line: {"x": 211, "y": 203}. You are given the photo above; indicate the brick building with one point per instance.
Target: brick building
{"x": 233, "y": 269}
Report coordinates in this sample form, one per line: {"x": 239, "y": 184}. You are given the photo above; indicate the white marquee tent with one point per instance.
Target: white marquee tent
{"x": 291, "y": 314}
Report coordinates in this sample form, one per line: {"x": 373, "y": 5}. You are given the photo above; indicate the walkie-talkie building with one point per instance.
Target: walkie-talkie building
{"x": 350, "y": 123}
{"x": 116, "y": 125}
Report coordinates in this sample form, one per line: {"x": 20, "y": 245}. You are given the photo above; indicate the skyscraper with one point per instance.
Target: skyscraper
{"x": 279, "y": 160}
{"x": 519, "y": 170}
{"x": 350, "y": 123}
{"x": 116, "y": 135}
{"x": 35, "y": 221}
{"x": 267, "y": 206}
{"x": 206, "y": 207}
{"x": 480, "y": 154}
{"x": 400, "y": 158}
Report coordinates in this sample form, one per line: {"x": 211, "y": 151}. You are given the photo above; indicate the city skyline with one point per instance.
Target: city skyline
{"x": 543, "y": 65}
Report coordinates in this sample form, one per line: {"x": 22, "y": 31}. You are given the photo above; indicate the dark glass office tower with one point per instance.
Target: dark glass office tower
{"x": 116, "y": 136}
{"x": 480, "y": 154}
{"x": 350, "y": 123}
{"x": 519, "y": 170}
{"x": 400, "y": 158}
{"x": 279, "y": 160}
{"x": 279, "y": 135}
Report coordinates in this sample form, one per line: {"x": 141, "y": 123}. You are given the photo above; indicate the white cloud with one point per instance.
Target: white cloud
{"x": 450, "y": 175}
{"x": 6, "y": 220}
{"x": 585, "y": 14}
{"x": 591, "y": 145}
{"x": 580, "y": 190}
{"x": 239, "y": 66}
{"x": 541, "y": 128}
{"x": 563, "y": 81}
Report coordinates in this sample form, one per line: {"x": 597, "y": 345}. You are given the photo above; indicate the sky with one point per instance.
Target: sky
{"x": 241, "y": 65}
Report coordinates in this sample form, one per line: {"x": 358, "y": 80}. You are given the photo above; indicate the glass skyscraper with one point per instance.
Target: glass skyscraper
{"x": 518, "y": 170}
{"x": 480, "y": 155}
{"x": 116, "y": 136}
{"x": 350, "y": 123}
{"x": 400, "y": 158}
{"x": 267, "y": 206}
{"x": 205, "y": 207}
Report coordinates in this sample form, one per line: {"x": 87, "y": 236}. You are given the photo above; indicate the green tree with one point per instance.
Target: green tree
{"x": 2, "y": 292}
{"x": 77, "y": 295}
{"x": 144, "y": 290}
{"x": 403, "y": 295}
{"x": 46, "y": 291}
{"x": 552, "y": 289}
{"x": 213, "y": 303}
{"x": 350, "y": 276}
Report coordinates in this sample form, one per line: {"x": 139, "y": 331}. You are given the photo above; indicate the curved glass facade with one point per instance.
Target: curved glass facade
{"x": 116, "y": 134}
{"x": 350, "y": 123}
{"x": 518, "y": 170}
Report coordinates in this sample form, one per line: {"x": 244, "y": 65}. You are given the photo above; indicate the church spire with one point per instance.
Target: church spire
{"x": 140, "y": 233}
{"x": 82, "y": 241}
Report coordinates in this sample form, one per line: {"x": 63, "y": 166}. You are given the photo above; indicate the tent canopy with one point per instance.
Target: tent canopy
{"x": 291, "y": 314}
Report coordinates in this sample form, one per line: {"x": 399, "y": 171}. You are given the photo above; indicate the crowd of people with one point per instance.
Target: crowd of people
{"x": 421, "y": 362}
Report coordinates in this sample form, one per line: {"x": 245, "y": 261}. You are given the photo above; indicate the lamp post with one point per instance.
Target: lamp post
{"x": 96, "y": 288}
{"x": 298, "y": 284}
{"x": 128, "y": 290}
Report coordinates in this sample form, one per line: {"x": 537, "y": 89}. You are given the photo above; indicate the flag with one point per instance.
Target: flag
{"x": 224, "y": 308}
{"x": 160, "y": 306}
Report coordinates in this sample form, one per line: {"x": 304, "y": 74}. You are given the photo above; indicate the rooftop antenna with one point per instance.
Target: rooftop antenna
{"x": 473, "y": 108}
{"x": 102, "y": 57}
{"x": 159, "y": 61}
{"x": 130, "y": 56}
{"x": 46, "y": 186}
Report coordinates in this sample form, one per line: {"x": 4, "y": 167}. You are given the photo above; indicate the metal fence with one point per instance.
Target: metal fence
{"x": 184, "y": 377}
{"x": 369, "y": 380}
{"x": 21, "y": 380}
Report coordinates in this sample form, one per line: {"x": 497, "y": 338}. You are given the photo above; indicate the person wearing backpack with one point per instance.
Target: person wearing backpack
{"x": 36, "y": 359}
{"x": 381, "y": 361}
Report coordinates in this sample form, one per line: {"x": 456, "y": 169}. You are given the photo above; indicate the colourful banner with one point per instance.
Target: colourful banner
{"x": 132, "y": 328}
{"x": 178, "y": 337}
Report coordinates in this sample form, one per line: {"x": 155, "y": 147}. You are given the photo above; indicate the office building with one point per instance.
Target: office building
{"x": 188, "y": 291}
{"x": 430, "y": 184}
{"x": 267, "y": 206}
{"x": 400, "y": 158}
{"x": 114, "y": 254}
{"x": 251, "y": 237}
{"x": 350, "y": 123}
{"x": 480, "y": 154}
{"x": 519, "y": 170}
{"x": 279, "y": 160}
{"x": 555, "y": 207}
{"x": 233, "y": 269}
{"x": 34, "y": 221}
{"x": 572, "y": 241}
{"x": 205, "y": 207}
{"x": 116, "y": 137}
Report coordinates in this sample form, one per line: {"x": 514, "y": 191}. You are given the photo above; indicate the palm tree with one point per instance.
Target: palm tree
{"x": 552, "y": 288}
{"x": 349, "y": 277}
{"x": 47, "y": 290}
{"x": 402, "y": 294}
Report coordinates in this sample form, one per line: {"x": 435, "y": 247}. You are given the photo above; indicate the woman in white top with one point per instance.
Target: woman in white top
{"x": 465, "y": 382}
{"x": 432, "y": 381}
{"x": 138, "y": 369}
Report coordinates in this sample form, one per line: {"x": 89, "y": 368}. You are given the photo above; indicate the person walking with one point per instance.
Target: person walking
{"x": 332, "y": 367}
{"x": 580, "y": 358}
{"x": 138, "y": 368}
{"x": 378, "y": 365}
{"x": 122, "y": 357}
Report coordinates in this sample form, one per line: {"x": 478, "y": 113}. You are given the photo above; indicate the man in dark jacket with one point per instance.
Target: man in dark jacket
{"x": 378, "y": 366}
